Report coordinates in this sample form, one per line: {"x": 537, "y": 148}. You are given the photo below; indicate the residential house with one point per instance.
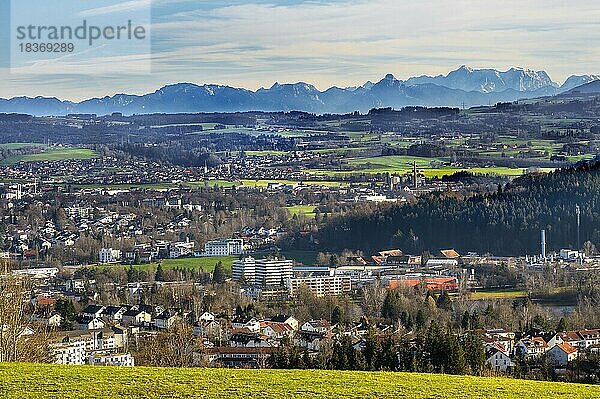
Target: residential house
{"x": 317, "y": 326}
{"x": 135, "y": 317}
{"x": 531, "y": 348}
{"x": 249, "y": 323}
{"x": 93, "y": 311}
{"x": 167, "y": 319}
{"x": 89, "y": 323}
{"x": 562, "y": 354}
{"x": 571, "y": 337}
{"x": 277, "y": 330}
{"x": 449, "y": 254}
{"x": 114, "y": 313}
{"x": 53, "y": 320}
{"x": 206, "y": 316}
{"x": 247, "y": 339}
{"x": 498, "y": 360}
{"x": 208, "y": 329}
{"x": 181, "y": 249}
{"x": 311, "y": 340}
{"x": 109, "y": 255}
{"x": 499, "y": 338}
{"x": 295, "y": 324}
{"x": 590, "y": 337}
{"x": 239, "y": 357}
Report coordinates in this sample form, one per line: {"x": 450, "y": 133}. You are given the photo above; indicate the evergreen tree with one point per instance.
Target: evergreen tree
{"x": 159, "y": 275}
{"x": 562, "y": 325}
{"x": 336, "y": 315}
{"x": 372, "y": 351}
{"x": 131, "y": 275}
{"x": 420, "y": 319}
{"x": 474, "y": 353}
{"x": 388, "y": 309}
{"x": 389, "y": 355}
{"x": 444, "y": 301}
{"x": 466, "y": 321}
{"x": 475, "y": 323}
{"x": 219, "y": 274}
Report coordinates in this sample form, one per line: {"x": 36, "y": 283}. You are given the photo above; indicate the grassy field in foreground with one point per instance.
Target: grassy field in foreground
{"x": 69, "y": 382}
{"x": 499, "y": 294}
{"x": 55, "y": 154}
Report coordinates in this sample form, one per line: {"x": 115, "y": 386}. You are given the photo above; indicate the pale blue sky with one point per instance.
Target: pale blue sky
{"x": 344, "y": 43}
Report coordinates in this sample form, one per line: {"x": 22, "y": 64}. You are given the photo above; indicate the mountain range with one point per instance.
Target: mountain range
{"x": 464, "y": 86}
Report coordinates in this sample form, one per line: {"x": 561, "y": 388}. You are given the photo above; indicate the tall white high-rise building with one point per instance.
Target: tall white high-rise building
{"x": 244, "y": 270}
{"x": 263, "y": 272}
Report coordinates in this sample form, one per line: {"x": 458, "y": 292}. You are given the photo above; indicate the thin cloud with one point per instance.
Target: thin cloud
{"x": 127, "y": 6}
{"x": 345, "y": 43}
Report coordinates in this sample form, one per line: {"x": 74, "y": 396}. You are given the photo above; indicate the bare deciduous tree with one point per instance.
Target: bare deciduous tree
{"x": 21, "y": 340}
{"x": 175, "y": 347}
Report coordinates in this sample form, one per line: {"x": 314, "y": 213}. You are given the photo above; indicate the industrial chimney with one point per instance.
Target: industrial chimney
{"x": 544, "y": 244}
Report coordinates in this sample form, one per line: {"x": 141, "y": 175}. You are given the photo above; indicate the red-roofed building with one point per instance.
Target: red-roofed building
{"x": 43, "y": 301}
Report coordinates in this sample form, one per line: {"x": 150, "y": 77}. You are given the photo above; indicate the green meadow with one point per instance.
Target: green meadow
{"x": 28, "y": 381}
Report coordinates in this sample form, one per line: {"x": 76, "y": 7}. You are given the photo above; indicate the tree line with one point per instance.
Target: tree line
{"x": 436, "y": 350}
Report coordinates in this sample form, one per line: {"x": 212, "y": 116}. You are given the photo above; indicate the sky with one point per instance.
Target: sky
{"x": 253, "y": 44}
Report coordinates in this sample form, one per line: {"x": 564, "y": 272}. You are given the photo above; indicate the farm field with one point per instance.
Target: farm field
{"x": 306, "y": 210}
{"x": 430, "y": 167}
{"x": 429, "y": 172}
{"x": 206, "y": 264}
{"x": 25, "y": 381}
{"x": 210, "y": 183}
{"x": 53, "y": 155}
{"x": 499, "y": 294}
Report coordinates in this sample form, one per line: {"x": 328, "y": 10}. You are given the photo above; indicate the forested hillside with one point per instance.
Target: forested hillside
{"x": 505, "y": 223}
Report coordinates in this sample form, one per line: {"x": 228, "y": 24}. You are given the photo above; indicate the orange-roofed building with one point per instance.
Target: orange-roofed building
{"x": 437, "y": 284}
{"x": 450, "y": 254}
{"x": 562, "y": 354}
{"x": 391, "y": 252}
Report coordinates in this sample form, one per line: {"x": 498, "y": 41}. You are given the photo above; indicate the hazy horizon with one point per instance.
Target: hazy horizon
{"x": 328, "y": 43}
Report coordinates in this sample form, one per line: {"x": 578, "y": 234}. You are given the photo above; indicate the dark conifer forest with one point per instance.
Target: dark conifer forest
{"x": 507, "y": 222}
